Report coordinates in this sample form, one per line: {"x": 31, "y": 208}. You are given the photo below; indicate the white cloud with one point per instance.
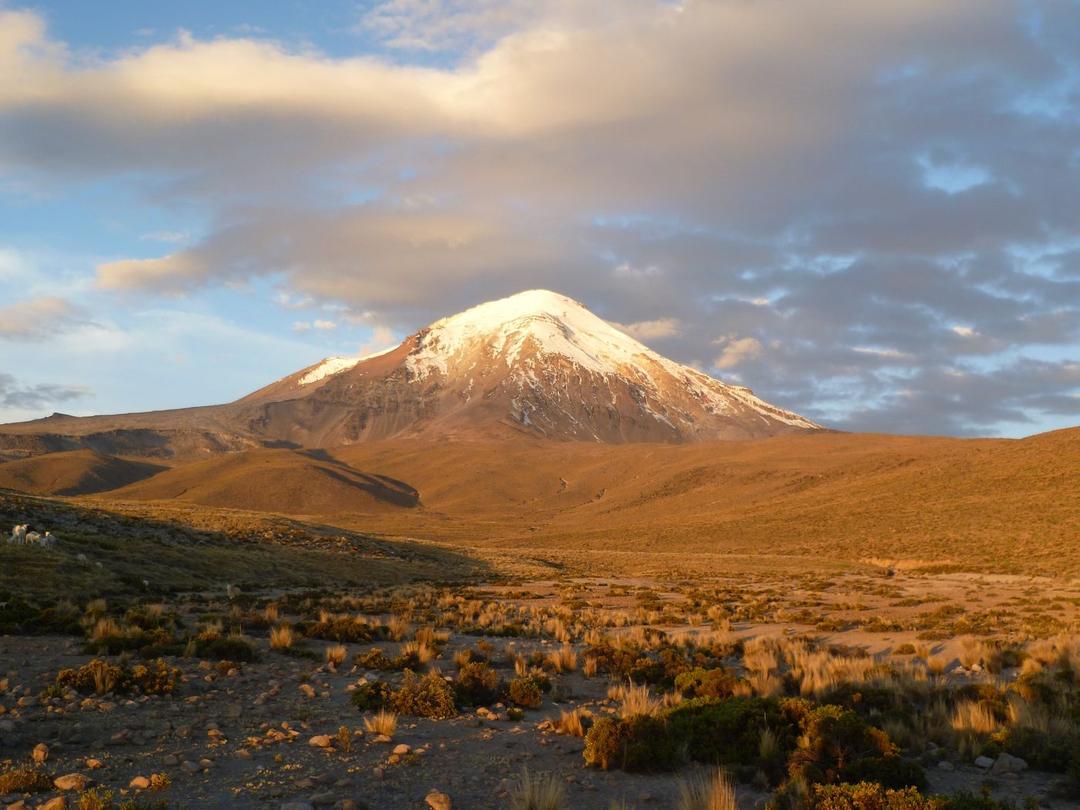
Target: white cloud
{"x": 38, "y": 318}
{"x": 651, "y": 330}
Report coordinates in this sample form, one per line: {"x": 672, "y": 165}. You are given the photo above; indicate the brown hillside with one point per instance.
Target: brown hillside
{"x": 917, "y": 499}
{"x": 78, "y": 472}
{"x": 285, "y": 481}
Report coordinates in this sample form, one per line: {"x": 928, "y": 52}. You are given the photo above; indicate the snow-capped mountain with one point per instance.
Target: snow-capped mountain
{"x": 536, "y": 362}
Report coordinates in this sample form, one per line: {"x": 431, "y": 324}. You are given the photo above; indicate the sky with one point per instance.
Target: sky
{"x": 867, "y": 212}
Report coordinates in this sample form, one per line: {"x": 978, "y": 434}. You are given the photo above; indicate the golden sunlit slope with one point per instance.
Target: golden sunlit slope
{"x": 286, "y": 481}
{"x": 988, "y": 503}
{"x": 78, "y": 472}
{"x": 851, "y": 496}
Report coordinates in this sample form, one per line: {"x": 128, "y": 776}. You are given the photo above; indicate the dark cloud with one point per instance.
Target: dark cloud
{"x": 33, "y": 397}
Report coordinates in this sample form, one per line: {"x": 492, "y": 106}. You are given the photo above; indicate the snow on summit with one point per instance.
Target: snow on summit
{"x": 559, "y": 325}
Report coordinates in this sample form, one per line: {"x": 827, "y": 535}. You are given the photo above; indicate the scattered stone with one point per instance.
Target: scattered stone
{"x": 437, "y": 800}
{"x": 189, "y": 767}
{"x": 58, "y": 803}
{"x": 93, "y": 764}
{"x": 321, "y": 741}
{"x": 41, "y": 753}
{"x": 1007, "y": 763}
{"x": 71, "y": 781}
{"x": 139, "y": 783}
{"x": 308, "y": 690}
{"x": 401, "y": 749}
{"x": 984, "y": 762}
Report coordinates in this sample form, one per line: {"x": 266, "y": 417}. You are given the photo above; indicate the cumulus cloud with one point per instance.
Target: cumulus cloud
{"x": 879, "y": 193}
{"x": 38, "y": 318}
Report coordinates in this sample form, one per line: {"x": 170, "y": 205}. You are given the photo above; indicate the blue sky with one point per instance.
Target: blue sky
{"x": 865, "y": 212}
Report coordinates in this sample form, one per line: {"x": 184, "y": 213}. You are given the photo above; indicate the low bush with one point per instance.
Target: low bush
{"x": 638, "y": 743}
{"x": 429, "y": 696}
{"x": 706, "y": 683}
{"x": 477, "y": 684}
{"x": 528, "y": 691}
{"x": 370, "y": 696}
{"x": 99, "y": 676}
{"x": 24, "y": 780}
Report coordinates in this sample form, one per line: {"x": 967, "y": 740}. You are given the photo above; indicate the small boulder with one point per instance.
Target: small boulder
{"x": 57, "y": 803}
{"x": 139, "y": 783}
{"x": 71, "y": 781}
{"x": 984, "y": 762}
{"x": 321, "y": 741}
{"x": 1007, "y": 763}
{"x": 40, "y": 753}
{"x": 401, "y": 749}
{"x": 437, "y": 800}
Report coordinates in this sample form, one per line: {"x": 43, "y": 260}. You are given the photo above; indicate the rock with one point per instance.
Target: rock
{"x": 139, "y": 783}
{"x": 321, "y": 741}
{"x": 93, "y": 764}
{"x": 59, "y": 803}
{"x": 401, "y": 749}
{"x": 438, "y": 800}
{"x": 19, "y": 805}
{"x": 308, "y": 690}
{"x": 189, "y": 767}
{"x": 1007, "y": 763}
{"x": 170, "y": 759}
{"x": 40, "y": 753}
{"x": 984, "y": 762}
{"x": 71, "y": 781}
{"x": 945, "y": 765}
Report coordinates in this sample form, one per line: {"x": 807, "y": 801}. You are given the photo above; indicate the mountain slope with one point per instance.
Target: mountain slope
{"x": 536, "y": 364}
{"x": 285, "y": 481}
{"x": 77, "y": 472}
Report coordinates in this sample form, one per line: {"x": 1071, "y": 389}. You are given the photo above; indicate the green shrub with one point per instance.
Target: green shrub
{"x": 374, "y": 658}
{"x": 839, "y": 746}
{"x": 370, "y": 696}
{"x": 871, "y": 796}
{"x": 638, "y": 743}
{"x": 228, "y": 648}
{"x": 345, "y": 629}
{"x": 528, "y": 691}
{"x": 98, "y": 676}
{"x": 706, "y": 683}
{"x": 477, "y": 684}
{"x": 729, "y": 731}
{"x": 429, "y": 696}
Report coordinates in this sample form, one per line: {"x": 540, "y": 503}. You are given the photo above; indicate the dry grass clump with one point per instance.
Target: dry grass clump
{"x": 542, "y": 792}
{"x": 573, "y": 723}
{"x": 397, "y": 628}
{"x": 635, "y": 700}
{"x": 335, "y": 655}
{"x": 713, "y": 792}
{"x": 281, "y": 637}
{"x": 382, "y": 722}
{"x": 422, "y": 650}
{"x": 564, "y": 659}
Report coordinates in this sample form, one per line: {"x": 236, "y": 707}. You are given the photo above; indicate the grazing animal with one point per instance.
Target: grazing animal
{"x": 33, "y": 538}
{"x": 48, "y": 540}
{"x": 18, "y": 535}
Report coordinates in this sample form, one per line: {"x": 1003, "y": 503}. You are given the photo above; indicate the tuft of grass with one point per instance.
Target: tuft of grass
{"x": 281, "y": 637}
{"x": 713, "y": 792}
{"x": 382, "y": 722}
{"x": 335, "y": 655}
{"x": 542, "y": 792}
